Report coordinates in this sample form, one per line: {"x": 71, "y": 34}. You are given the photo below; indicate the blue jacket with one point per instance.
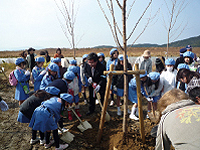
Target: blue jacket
{"x": 132, "y": 93}
{"x": 23, "y": 79}
{"x": 46, "y": 80}
{"x": 109, "y": 62}
{"x": 37, "y": 77}
{"x": 46, "y": 116}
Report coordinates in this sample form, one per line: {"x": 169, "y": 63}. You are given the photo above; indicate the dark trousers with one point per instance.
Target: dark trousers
{"x": 92, "y": 98}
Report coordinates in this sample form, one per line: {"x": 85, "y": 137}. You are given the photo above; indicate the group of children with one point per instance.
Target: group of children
{"x": 56, "y": 87}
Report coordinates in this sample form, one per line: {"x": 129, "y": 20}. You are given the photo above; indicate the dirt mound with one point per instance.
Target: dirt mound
{"x": 15, "y": 135}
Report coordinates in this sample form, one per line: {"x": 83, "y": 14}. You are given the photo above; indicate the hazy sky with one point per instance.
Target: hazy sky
{"x": 34, "y": 23}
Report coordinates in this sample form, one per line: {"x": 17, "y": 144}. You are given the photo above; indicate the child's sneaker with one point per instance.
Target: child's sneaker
{"x": 49, "y": 145}
{"x": 62, "y": 146}
{"x": 85, "y": 101}
{"x": 119, "y": 113}
{"x": 42, "y": 142}
{"x": 34, "y": 141}
{"x": 112, "y": 103}
{"x": 133, "y": 117}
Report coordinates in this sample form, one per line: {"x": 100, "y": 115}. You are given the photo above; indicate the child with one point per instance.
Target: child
{"x": 101, "y": 58}
{"x": 118, "y": 81}
{"x": 22, "y": 76}
{"x": 28, "y": 107}
{"x": 83, "y": 77}
{"x": 114, "y": 53}
{"x": 188, "y": 59}
{"x": 132, "y": 93}
{"x": 49, "y": 76}
{"x": 38, "y": 72}
{"x": 74, "y": 89}
{"x": 154, "y": 90}
{"x": 169, "y": 76}
{"x": 61, "y": 70}
{"x": 46, "y": 116}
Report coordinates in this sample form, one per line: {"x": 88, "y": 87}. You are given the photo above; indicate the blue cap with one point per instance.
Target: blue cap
{"x": 143, "y": 75}
{"x": 69, "y": 75}
{"x": 189, "y": 54}
{"x": 19, "y": 60}
{"x": 183, "y": 50}
{"x": 73, "y": 62}
{"x": 113, "y": 50}
{"x": 53, "y": 67}
{"x": 67, "y": 97}
{"x": 121, "y": 57}
{"x": 183, "y": 65}
{"x": 52, "y": 90}
{"x": 85, "y": 56}
{"x": 74, "y": 69}
{"x": 100, "y": 55}
{"x": 154, "y": 75}
{"x": 56, "y": 60}
{"x": 188, "y": 47}
{"x": 169, "y": 61}
{"x": 40, "y": 59}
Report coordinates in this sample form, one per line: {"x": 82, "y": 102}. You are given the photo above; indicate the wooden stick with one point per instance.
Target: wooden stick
{"x": 105, "y": 104}
{"x": 122, "y": 72}
{"x": 139, "y": 98}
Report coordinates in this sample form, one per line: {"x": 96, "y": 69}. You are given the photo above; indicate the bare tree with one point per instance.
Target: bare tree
{"x": 69, "y": 14}
{"x": 118, "y": 33}
{"x": 171, "y": 24}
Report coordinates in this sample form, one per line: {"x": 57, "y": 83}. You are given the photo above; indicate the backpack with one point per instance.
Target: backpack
{"x": 13, "y": 81}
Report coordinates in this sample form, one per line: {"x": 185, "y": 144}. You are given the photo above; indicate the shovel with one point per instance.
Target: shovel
{"x": 153, "y": 115}
{"x": 66, "y": 136}
{"x": 84, "y": 124}
{"x": 107, "y": 117}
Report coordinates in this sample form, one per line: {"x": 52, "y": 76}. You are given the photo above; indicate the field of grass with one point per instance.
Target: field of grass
{"x": 134, "y": 51}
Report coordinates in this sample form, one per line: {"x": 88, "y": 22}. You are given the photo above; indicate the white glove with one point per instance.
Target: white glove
{"x": 3, "y": 105}
{"x": 149, "y": 99}
{"x": 43, "y": 72}
{"x": 90, "y": 80}
{"x": 27, "y": 73}
{"x": 97, "y": 88}
{"x": 114, "y": 88}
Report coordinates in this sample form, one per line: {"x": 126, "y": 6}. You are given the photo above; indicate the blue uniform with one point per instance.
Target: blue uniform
{"x": 109, "y": 62}
{"x": 37, "y": 77}
{"x": 46, "y": 116}
{"x": 132, "y": 92}
{"x": 23, "y": 79}
{"x": 46, "y": 80}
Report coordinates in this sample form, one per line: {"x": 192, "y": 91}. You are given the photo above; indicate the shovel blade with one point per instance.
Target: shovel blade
{"x": 153, "y": 117}
{"x": 84, "y": 126}
{"x": 107, "y": 117}
{"x": 67, "y": 137}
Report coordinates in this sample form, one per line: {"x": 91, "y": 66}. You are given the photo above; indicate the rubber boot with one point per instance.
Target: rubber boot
{"x": 69, "y": 115}
{"x": 77, "y": 110}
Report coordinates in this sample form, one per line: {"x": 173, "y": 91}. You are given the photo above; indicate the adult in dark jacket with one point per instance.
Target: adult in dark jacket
{"x": 118, "y": 81}
{"x": 180, "y": 59}
{"x": 94, "y": 72}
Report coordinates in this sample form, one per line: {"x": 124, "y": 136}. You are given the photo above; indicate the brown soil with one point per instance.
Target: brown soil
{"x": 15, "y": 135}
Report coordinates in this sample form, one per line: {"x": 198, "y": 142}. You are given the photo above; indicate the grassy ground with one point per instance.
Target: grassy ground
{"x": 155, "y": 51}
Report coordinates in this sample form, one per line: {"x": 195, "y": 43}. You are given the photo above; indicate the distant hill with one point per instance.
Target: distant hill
{"x": 193, "y": 41}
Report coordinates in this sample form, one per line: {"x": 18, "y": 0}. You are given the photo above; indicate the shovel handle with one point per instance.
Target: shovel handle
{"x": 152, "y": 108}
{"x": 77, "y": 116}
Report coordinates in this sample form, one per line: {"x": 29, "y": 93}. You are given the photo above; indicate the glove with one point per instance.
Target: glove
{"x": 27, "y": 73}
{"x": 3, "y": 105}
{"x": 114, "y": 88}
{"x": 149, "y": 99}
{"x": 43, "y": 72}
{"x": 90, "y": 80}
{"x": 97, "y": 88}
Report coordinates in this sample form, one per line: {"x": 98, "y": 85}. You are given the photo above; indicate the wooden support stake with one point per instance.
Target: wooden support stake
{"x": 105, "y": 104}
{"x": 139, "y": 98}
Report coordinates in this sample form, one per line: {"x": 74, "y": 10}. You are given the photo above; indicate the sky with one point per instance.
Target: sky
{"x": 35, "y": 23}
